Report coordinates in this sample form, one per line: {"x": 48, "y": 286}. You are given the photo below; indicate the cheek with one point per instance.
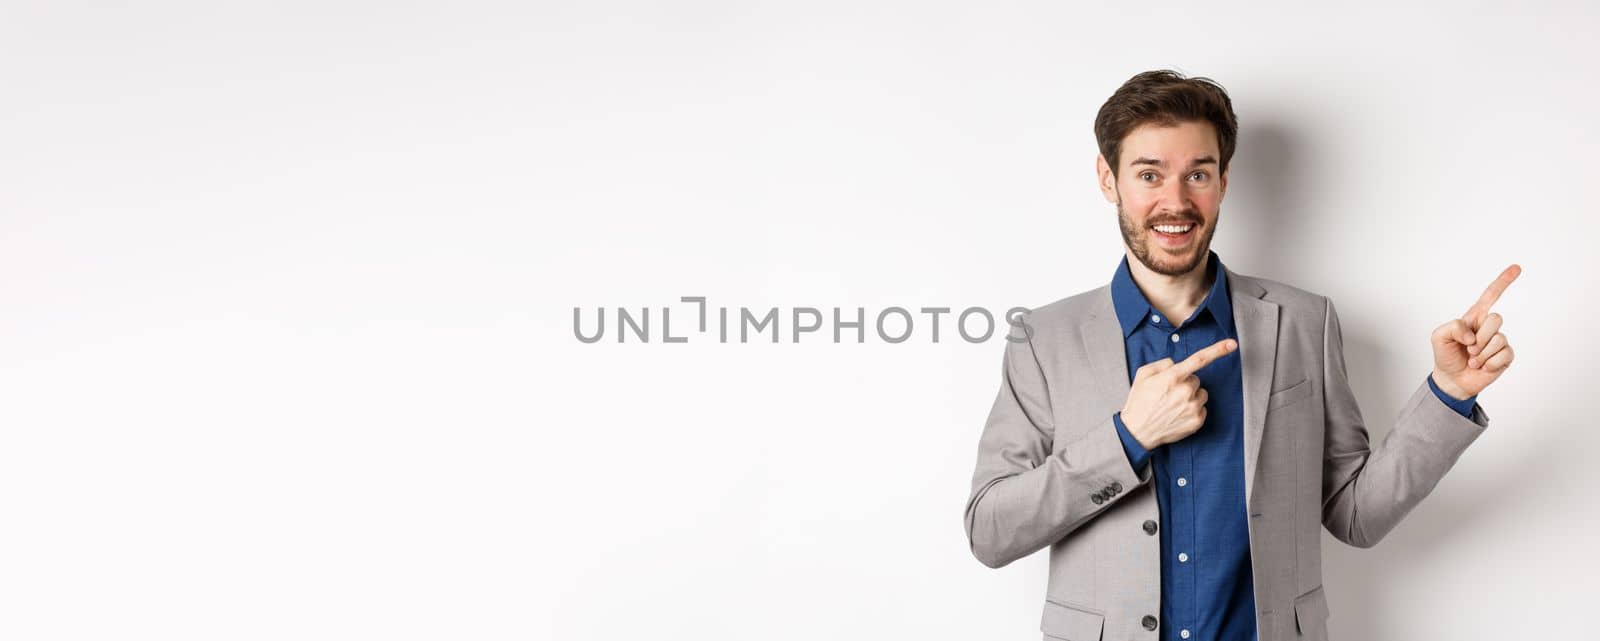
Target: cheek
{"x": 1139, "y": 203}
{"x": 1208, "y": 201}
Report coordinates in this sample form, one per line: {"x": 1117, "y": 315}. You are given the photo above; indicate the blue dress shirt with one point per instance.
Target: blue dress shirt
{"x": 1207, "y": 591}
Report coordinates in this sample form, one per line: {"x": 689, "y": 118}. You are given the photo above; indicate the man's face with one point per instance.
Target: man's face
{"x": 1168, "y": 194}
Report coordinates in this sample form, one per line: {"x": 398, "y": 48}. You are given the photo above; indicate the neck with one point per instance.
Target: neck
{"x": 1176, "y": 297}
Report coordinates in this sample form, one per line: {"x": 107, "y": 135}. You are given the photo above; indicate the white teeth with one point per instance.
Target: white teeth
{"x": 1173, "y": 229}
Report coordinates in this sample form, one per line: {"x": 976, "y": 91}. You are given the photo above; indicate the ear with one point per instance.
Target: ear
{"x": 1222, "y": 190}
{"x": 1108, "y": 181}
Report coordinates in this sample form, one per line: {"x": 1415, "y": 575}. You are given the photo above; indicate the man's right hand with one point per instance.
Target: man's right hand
{"x": 1166, "y": 402}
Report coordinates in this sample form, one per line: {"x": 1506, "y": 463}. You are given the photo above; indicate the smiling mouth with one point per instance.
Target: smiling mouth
{"x": 1174, "y": 235}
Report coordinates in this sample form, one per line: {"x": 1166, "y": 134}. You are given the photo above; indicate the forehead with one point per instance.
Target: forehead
{"x": 1179, "y": 144}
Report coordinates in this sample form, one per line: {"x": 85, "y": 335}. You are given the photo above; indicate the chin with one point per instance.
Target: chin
{"x": 1171, "y": 264}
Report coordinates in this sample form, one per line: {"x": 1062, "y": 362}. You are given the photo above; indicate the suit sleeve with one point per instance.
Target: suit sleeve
{"x": 1461, "y": 406}
{"x": 1366, "y": 491}
{"x": 1027, "y": 491}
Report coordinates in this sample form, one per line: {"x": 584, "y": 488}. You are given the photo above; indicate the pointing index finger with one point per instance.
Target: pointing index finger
{"x": 1204, "y": 357}
{"x": 1481, "y": 308}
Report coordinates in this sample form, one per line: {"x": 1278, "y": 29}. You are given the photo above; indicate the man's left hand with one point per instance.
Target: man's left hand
{"x": 1469, "y": 353}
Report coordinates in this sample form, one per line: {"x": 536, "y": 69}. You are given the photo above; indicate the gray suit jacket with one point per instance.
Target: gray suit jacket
{"x": 1049, "y": 447}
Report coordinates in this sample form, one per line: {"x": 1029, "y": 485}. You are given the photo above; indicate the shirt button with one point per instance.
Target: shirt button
{"x": 1155, "y": 318}
{"x": 1183, "y": 633}
{"x": 1183, "y": 558}
{"x": 1174, "y": 338}
{"x": 1150, "y": 527}
{"x": 1149, "y": 622}
{"x": 1182, "y": 481}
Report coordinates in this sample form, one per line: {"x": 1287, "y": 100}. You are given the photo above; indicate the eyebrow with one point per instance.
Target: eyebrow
{"x": 1151, "y": 161}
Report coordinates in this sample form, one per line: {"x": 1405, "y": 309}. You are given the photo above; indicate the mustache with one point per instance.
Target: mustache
{"x": 1176, "y": 220}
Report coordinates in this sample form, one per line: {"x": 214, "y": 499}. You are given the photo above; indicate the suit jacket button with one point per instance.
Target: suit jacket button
{"x": 1097, "y": 498}
{"x": 1150, "y": 527}
{"x": 1116, "y": 486}
{"x": 1149, "y": 622}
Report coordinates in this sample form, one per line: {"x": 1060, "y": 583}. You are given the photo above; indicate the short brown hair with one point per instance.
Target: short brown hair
{"x": 1165, "y": 98}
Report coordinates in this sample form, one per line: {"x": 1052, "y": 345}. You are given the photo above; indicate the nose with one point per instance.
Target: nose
{"x": 1175, "y": 196}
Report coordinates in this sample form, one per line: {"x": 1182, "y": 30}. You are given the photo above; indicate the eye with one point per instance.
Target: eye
{"x": 1147, "y": 176}
{"x": 1199, "y": 175}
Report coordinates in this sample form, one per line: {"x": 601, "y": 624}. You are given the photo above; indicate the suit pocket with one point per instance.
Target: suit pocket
{"x": 1290, "y": 395}
{"x": 1311, "y": 614}
{"x": 1070, "y": 622}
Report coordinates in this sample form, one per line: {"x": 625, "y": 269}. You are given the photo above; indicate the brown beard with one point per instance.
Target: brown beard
{"x": 1138, "y": 241}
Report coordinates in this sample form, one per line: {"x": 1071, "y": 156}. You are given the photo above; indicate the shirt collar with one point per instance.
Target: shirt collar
{"x": 1133, "y": 308}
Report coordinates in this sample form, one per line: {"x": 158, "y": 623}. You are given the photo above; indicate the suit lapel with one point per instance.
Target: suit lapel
{"x": 1107, "y": 350}
{"x": 1256, "y": 320}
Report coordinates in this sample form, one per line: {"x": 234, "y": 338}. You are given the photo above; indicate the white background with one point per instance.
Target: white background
{"x": 286, "y": 297}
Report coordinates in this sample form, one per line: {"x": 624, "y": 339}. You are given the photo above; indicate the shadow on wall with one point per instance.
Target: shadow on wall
{"x": 1262, "y": 182}
{"x": 1369, "y": 587}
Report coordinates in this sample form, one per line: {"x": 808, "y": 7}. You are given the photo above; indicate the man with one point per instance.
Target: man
{"x": 1179, "y": 436}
